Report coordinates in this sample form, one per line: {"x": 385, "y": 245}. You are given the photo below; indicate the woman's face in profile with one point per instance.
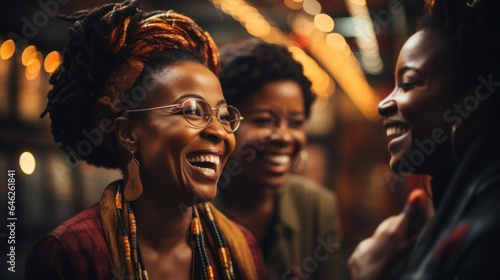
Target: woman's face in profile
{"x": 179, "y": 161}
{"x": 415, "y": 112}
{"x": 272, "y": 133}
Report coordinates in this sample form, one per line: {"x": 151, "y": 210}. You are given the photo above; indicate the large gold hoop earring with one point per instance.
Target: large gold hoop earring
{"x": 133, "y": 186}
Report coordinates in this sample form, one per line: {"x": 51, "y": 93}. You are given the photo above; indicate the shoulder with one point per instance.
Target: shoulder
{"x": 309, "y": 206}
{"x": 470, "y": 248}
{"x": 86, "y": 222}
{"x": 307, "y": 192}
{"x": 75, "y": 246}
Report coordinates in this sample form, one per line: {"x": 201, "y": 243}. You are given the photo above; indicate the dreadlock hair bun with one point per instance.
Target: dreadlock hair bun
{"x": 105, "y": 55}
{"x": 248, "y": 65}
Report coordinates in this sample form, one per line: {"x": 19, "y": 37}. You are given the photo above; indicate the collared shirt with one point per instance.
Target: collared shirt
{"x": 305, "y": 240}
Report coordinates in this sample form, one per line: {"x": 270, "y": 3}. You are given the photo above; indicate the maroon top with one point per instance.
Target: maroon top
{"x": 77, "y": 250}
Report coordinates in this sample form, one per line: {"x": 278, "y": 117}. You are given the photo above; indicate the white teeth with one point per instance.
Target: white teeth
{"x": 279, "y": 159}
{"x": 207, "y": 158}
{"x": 207, "y": 170}
{"x": 395, "y": 130}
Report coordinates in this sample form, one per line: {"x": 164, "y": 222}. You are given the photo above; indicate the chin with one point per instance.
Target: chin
{"x": 402, "y": 165}
{"x": 205, "y": 196}
{"x": 275, "y": 183}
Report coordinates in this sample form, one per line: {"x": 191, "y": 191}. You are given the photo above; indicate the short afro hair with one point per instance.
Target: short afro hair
{"x": 249, "y": 65}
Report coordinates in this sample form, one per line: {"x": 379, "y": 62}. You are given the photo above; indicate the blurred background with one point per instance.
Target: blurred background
{"x": 348, "y": 48}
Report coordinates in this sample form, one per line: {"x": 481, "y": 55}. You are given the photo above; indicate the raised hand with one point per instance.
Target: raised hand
{"x": 384, "y": 255}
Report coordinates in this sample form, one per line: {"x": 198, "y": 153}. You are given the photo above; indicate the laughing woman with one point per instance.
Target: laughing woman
{"x": 153, "y": 76}
{"x": 443, "y": 117}
{"x": 295, "y": 220}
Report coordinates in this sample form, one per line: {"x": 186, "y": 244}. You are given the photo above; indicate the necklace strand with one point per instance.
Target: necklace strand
{"x": 134, "y": 261}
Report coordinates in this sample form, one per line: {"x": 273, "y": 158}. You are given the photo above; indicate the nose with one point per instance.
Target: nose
{"x": 387, "y": 106}
{"x": 214, "y": 131}
{"x": 281, "y": 132}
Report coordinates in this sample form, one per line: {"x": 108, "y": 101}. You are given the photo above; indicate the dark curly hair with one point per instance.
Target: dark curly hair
{"x": 471, "y": 37}
{"x": 105, "y": 59}
{"x": 247, "y": 66}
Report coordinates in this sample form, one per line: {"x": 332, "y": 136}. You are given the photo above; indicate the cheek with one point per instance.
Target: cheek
{"x": 300, "y": 138}
{"x": 231, "y": 143}
{"x": 162, "y": 141}
{"x": 247, "y": 135}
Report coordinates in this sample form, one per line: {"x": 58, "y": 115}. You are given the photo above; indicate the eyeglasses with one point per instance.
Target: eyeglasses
{"x": 198, "y": 113}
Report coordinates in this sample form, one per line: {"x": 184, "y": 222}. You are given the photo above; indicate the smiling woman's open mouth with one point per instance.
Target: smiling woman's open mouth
{"x": 207, "y": 163}
{"x": 396, "y": 130}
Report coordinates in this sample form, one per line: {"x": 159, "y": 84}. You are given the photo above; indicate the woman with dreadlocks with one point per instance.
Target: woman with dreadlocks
{"x": 442, "y": 119}
{"x": 147, "y": 84}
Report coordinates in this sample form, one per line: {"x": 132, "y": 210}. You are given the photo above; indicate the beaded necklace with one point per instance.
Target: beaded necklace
{"x": 134, "y": 262}
{"x": 133, "y": 258}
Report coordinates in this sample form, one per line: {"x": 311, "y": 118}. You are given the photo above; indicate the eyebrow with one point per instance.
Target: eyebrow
{"x": 404, "y": 69}
{"x": 197, "y": 96}
{"x": 271, "y": 111}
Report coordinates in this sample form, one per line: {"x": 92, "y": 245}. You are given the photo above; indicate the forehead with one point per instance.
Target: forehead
{"x": 278, "y": 95}
{"x": 185, "y": 78}
{"x": 420, "y": 51}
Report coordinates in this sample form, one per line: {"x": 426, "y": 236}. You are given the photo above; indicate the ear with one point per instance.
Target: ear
{"x": 126, "y": 133}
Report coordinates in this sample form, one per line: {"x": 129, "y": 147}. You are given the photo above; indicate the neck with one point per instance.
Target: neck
{"x": 244, "y": 194}
{"x": 161, "y": 225}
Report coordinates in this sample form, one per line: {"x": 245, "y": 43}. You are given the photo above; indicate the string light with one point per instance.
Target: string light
{"x": 365, "y": 37}
{"x": 335, "y": 56}
{"x": 29, "y": 53}
{"x": 293, "y": 4}
{"x": 27, "y": 163}
{"x": 7, "y": 49}
{"x": 52, "y": 61}
{"x": 323, "y": 22}
{"x": 311, "y": 7}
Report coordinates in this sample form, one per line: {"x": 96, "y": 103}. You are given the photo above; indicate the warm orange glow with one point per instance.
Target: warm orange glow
{"x": 7, "y": 49}
{"x": 30, "y": 76}
{"x": 27, "y": 163}
{"x": 336, "y": 56}
{"x": 241, "y": 12}
{"x": 311, "y": 7}
{"x": 52, "y": 61}
{"x": 359, "y": 2}
{"x": 258, "y": 27}
{"x": 293, "y": 4}
{"x": 337, "y": 43}
{"x": 34, "y": 66}
{"x": 331, "y": 51}
{"x": 365, "y": 37}
{"x": 323, "y": 22}
{"x": 28, "y": 55}
{"x": 274, "y": 36}
{"x": 322, "y": 83}
{"x": 250, "y": 17}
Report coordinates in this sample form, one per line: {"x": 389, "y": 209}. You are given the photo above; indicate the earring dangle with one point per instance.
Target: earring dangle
{"x": 453, "y": 140}
{"x": 133, "y": 186}
{"x": 300, "y": 162}
{"x": 472, "y": 3}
